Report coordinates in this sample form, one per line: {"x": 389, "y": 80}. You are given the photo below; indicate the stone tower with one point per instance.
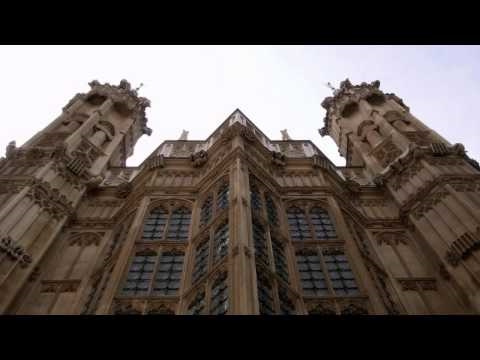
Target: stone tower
{"x": 238, "y": 223}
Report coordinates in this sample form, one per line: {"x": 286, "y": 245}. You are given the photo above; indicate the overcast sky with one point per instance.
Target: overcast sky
{"x": 277, "y": 87}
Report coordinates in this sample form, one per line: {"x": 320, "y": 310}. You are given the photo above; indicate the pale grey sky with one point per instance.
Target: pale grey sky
{"x": 277, "y": 87}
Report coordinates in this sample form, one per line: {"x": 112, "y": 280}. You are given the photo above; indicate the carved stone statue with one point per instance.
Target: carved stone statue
{"x": 184, "y": 135}
{"x": 285, "y": 135}
{"x": 11, "y": 147}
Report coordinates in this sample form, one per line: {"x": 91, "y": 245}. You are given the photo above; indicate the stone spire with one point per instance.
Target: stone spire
{"x": 184, "y": 135}
{"x": 285, "y": 135}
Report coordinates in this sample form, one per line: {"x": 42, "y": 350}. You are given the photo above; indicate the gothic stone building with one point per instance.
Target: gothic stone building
{"x": 239, "y": 223}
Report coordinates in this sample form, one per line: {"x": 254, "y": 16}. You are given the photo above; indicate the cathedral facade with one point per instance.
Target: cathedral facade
{"x": 239, "y": 223}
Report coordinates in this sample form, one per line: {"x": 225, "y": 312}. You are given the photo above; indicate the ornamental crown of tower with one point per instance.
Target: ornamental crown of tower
{"x": 239, "y": 223}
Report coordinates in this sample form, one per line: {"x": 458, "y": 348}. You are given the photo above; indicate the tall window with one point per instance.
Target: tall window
{"x": 255, "y": 198}
{"x": 219, "y": 295}
{"x": 214, "y": 203}
{"x": 201, "y": 260}
{"x": 154, "y": 226}
{"x": 314, "y": 224}
{"x": 260, "y": 243}
{"x": 279, "y": 257}
{"x": 325, "y": 272}
{"x": 271, "y": 210}
{"x": 220, "y": 242}
{"x": 265, "y": 294}
{"x": 167, "y": 267}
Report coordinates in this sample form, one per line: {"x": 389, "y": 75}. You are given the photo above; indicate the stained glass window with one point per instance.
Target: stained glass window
{"x": 280, "y": 259}
{"x": 265, "y": 294}
{"x": 312, "y": 277}
{"x": 271, "y": 210}
{"x": 340, "y": 273}
{"x": 255, "y": 200}
{"x": 169, "y": 274}
{"x": 197, "y": 305}
{"x": 260, "y": 243}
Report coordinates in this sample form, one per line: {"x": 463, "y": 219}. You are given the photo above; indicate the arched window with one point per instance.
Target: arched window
{"x": 220, "y": 242}
{"x": 206, "y": 211}
{"x": 265, "y": 294}
{"x": 271, "y": 210}
{"x": 316, "y": 226}
{"x": 154, "y": 225}
{"x": 322, "y": 225}
{"x": 311, "y": 274}
{"x": 179, "y": 224}
{"x": 222, "y": 196}
{"x": 280, "y": 259}
{"x": 298, "y": 224}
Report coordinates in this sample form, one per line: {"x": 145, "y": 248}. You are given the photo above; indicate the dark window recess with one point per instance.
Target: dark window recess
{"x": 312, "y": 277}
{"x": 260, "y": 242}
{"x": 169, "y": 274}
{"x": 179, "y": 225}
{"x": 197, "y": 305}
{"x": 201, "y": 261}
{"x": 154, "y": 225}
{"x": 222, "y": 197}
{"x": 271, "y": 210}
{"x": 206, "y": 211}
{"x": 255, "y": 200}
{"x": 279, "y": 257}
{"x": 322, "y": 224}
{"x": 340, "y": 273}
{"x": 219, "y": 295}
{"x": 265, "y": 294}
{"x": 298, "y": 225}
{"x": 220, "y": 242}
{"x": 286, "y": 304}
{"x": 140, "y": 274}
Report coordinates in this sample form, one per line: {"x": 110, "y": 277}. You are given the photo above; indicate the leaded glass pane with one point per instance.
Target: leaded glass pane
{"x": 340, "y": 274}
{"x": 206, "y": 211}
{"x": 311, "y": 274}
{"x": 219, "y": 296}
{"x": 222, "y": 196}
{"x": 281, "y": 267}
{"x": 179, "y": 225}
{"x": 169, "y": 273}
{"x": 255, "y": 200}
{"x": 298, "y": 225}
{"x": 197, "y": 305}
{"x": 201, "y": 261}
{"x": 140, "y": 274}
{"x": 265, "y": 294}
{"x": 220, "y": 242}
{"x": 322, "y": 224}
{"x": 271, "y": 210}
{"x": 260, "y": 242}
{"x": 286, "y": 304}
{"x": 154, "y": 225}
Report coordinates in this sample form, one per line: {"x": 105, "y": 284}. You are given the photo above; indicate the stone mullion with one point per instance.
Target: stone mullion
{"x": 241, "y": 243}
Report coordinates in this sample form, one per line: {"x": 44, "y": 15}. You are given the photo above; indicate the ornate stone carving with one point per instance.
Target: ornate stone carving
{"x": 392, "y": 238}
{"x": 85, "y": 239}
{"x": 49, "y": 199}
{"x": 157, "y": 161}
{"x": 416, "y": 284}
{"x": 59, "y": 286}
{"x": 439, "y": 149}
{"x": 420, "y": 138}
{"x": 386, "y": 152}
{"x": 159, "y": 309}
{"x": 12, "y": 186}
{"x": 429, "y": 203}
{"x": 123, "y": 190}
{"x": 15, "y": 252}
{"x": 354, "y": 309}
{"x": 199, "y": 158}
{"x": 463, "y": 247}
{"x": 62, "y": 170}
{"x": 444, "y": 161}
{"x": 52, "y": 139}
{"x": 320, "y": 162}
{"x": 126, "y": 308}
{"x": 11, "y": 150}
{"x": 323, "y": 308}
{"x": 409, "y": 172}
{"x": 278, "y": 159}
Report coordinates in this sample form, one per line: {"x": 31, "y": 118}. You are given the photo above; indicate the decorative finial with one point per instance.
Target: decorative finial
{"x": 330, "y": 86}
{"x": 184, "y": 135}
{"x": 285, "y": 135}
{"x": 139, "y": 87}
